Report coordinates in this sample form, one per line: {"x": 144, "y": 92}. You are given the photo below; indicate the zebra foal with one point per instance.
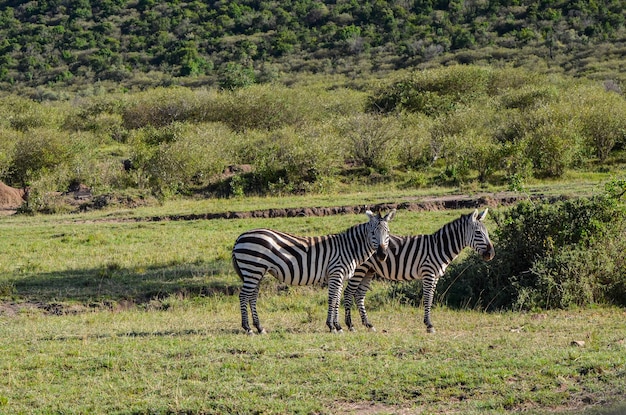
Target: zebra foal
{"x": 299, "y": 260}
{"x": 420, "y": 257}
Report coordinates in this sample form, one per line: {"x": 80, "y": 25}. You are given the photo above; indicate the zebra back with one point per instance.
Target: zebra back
{"x": 413, "y": 257}
{"x": 300, "y": 260}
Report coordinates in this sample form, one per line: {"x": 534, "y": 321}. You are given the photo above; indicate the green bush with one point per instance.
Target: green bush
{"x": 263, "y": 107}
{"x": 413, "y": 145}
{"x": 287, "y": 160}
{"x": 603, "y": 122}
{"x": 548, "y": 254}
{"x": 40, "y": 151}
{"x": 371, "y": 140}
{"x": 176, "y": 157}
{"x": 161, "y": 106}
{"x": 432, "y": 92}
{"x": 100, "y": 115}
{"x": 464, "y": 139}
{"x": 7, "y": 144}
{"x": 23, "y": 114}
{"x": 529, "y": 97}
{"x": 553, "y": 139}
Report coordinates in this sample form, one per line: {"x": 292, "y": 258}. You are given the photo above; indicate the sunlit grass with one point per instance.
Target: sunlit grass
{"x": 192, "y": 358}
{"x": 143, "y": 317}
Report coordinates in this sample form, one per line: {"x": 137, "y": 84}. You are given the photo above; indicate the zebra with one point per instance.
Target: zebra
{"x": 299, "y": 260}
{"x": 420, "y": 257}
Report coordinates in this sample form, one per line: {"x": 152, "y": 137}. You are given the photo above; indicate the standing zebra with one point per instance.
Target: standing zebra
{"x": 420, "y": 257}
{"x": 299, "y": 260}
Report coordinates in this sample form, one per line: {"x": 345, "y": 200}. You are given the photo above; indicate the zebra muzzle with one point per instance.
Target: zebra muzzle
{"x": 489, "y": 253}
{"x": 381, "y": 253}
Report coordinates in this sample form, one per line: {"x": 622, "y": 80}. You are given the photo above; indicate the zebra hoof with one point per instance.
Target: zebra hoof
{"x": 352, "y": 328}
{"x": 372, "y": 329}
{"x": 430, "y": 330}
{"x": 250, "y": 333}
{"x": 263, "y": 331}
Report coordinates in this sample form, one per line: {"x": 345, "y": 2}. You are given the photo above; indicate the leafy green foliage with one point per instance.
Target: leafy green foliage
{"x": 549, "y": 254}
{"x": 39, "y": 151}
{"x": 432, "y": 92}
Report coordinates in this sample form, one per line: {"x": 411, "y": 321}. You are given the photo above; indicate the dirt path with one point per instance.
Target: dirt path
{"x": 423, "y": 204}
{"x": 429, "y": 203}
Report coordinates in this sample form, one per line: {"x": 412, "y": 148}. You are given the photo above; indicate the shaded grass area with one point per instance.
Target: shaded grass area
{"x": 115, "y": 284}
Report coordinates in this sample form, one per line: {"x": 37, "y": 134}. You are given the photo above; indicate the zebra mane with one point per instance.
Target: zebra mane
{"x": 455, "y": 224}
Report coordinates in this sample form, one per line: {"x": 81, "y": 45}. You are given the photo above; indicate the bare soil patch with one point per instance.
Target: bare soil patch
{"x": 423, "y": 204}
{"x": 10, "y": 199}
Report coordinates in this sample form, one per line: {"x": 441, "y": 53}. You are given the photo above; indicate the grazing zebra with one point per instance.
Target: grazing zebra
{"x": 299, "y": 260}
{"x": 420, "y": 257}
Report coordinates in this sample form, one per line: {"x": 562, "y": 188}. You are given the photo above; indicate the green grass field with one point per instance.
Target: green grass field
{"x": 123, "y": 317}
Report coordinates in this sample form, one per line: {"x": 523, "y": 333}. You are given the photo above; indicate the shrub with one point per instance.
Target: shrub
{"x": 159, "y": 107}
{"x": 371, "y": 140}
{"x": 100, "y": 115}
{"x": 7, "y": 144}
{"x": 432, "y": 92}
{"x": 413, "y": 145}
{"x": 548, "y": 255}
{"x": 263, "y": 107}
{"x": 287, "y": 160}
{"x": 464, "y": 139}
{"x": 529, "y": 97}
{"x": 234, "y": 75}
{"x": 603, "y": 122}
{"x": 172, "y": 159}
{"x": 22, "y": 114}
{"x": 553, "y": 140}
{"x": 42, "y": 150}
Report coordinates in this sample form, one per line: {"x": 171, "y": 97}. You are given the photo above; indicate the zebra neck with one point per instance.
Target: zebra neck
{"x": 357, "y": 238}
{"x": 450, "y": 240}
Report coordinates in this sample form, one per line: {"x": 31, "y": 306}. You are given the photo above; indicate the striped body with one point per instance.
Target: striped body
{"x": 298, "y": 260}
{"x": 423, "y": 257}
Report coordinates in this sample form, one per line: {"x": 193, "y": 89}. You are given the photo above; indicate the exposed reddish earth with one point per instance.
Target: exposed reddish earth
{"x": 10, "y": 198}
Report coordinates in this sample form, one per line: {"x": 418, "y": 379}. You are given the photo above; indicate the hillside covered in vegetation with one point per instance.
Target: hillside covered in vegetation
{"x": 70, "y": 44}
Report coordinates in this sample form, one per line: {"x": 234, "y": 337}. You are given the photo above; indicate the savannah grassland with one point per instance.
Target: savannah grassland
{"x": 102, "y": 315}
{"x": 354, "y": 103}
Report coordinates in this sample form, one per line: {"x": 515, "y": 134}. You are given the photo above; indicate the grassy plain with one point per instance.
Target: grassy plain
{"x": 123, "y": 317}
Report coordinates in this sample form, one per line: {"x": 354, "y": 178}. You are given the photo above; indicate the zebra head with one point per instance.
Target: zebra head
{"x": 479, "y": 237}
{"x": 379, "y": 232}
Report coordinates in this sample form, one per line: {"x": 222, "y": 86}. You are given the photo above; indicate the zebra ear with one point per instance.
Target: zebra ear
{"x": 483, "y": 215}
{"x": 475, "y": 215}
{"x": 369, "y": 214}
{"x": 390, "y": 215}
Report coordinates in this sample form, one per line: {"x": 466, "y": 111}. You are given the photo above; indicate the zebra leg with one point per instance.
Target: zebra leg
{"x": 429, "y": 292}
{"x": 255, "y": 316}
{"x": 244, "y": 297}
{"x": 348, "y": 294}
{"x": 335, "y": 285}
{"x": 360, "y": 301}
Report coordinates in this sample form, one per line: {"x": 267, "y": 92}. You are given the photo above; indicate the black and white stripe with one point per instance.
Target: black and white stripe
{"x": 299, "y": 260}
{"x": 420, "y": 257}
